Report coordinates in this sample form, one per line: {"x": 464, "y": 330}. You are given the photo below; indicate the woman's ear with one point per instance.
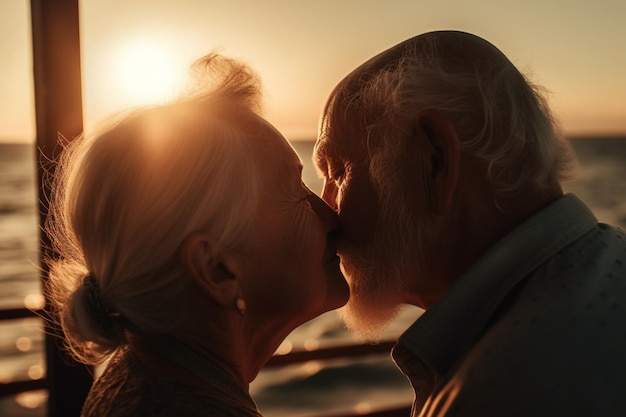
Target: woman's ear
{"x": 438, "y": 138}
{"x": 216, "y": 274}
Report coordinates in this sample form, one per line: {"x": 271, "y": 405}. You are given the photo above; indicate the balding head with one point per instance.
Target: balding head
{"x": 453, "y": 50}
{"x": 500, "y": 117}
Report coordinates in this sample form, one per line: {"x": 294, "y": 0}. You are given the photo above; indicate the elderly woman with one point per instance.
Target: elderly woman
{"x": 188, "y": 248}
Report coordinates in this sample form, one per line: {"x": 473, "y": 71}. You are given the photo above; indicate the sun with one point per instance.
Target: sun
{"x": 149, "y": 73}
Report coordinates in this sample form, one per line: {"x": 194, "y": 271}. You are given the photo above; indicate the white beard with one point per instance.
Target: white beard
{"x": 375, "y": 293}
{"x": 383, "y": 272}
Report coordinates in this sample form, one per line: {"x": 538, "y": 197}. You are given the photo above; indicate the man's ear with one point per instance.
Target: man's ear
{"x": 216, "y": 274}
{"x": 439, "y": 139}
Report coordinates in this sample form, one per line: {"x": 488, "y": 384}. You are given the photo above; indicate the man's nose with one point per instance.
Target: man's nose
{"x": 329, "y": 194}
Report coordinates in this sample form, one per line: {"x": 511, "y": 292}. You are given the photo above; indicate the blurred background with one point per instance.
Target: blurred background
{"x": 138, "y": 52}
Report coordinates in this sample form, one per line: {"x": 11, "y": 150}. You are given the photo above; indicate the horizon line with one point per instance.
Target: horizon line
{"x": 574, "y": 136}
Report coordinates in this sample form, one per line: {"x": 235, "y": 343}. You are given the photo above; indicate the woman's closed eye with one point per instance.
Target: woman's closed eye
{"x": 306, "y": 201}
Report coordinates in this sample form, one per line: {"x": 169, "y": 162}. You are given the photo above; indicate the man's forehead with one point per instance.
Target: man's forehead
{"x": 342, "y": 142}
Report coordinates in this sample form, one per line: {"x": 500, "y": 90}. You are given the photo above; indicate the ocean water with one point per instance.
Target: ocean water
{"x": 300, "y": 390}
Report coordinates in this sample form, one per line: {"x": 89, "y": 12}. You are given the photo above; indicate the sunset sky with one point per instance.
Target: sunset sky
{"x": 138, "y": 51}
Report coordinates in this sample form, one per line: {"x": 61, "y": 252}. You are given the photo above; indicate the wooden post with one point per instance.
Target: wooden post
{"x": 58, "y": 110}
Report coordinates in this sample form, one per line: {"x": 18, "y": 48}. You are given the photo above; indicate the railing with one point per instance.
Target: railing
{"x": 292, "y": 358}
{"x": 19, "y": 313}
{"x": 16, "y": 387}
{"x": 349, "y": 351}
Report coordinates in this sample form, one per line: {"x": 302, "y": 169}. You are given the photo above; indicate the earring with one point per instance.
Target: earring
{"x": 240, "y": 304}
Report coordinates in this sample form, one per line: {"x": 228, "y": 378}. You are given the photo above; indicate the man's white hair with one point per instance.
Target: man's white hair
{"x": 500, "y": 117}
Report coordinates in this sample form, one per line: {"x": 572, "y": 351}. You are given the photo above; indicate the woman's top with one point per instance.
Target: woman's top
{"x": 127, "y": 388}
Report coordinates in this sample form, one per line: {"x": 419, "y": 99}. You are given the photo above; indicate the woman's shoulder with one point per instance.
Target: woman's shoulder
{"x": 126, "y": 388}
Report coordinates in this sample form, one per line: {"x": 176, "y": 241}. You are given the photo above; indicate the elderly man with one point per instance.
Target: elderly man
{"x": 445, "y": 167}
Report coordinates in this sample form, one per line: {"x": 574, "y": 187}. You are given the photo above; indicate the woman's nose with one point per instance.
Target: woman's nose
{"x": 324, "y": 212}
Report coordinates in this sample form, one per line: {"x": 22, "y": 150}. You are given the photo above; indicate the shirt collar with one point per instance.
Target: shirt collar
{"x": 449, "y": 327}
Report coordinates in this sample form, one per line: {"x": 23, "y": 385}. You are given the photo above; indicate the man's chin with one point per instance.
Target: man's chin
{"x": 368, "y": 322}
{"x": 376, "y": 290}
{"x": 373, "y": 304}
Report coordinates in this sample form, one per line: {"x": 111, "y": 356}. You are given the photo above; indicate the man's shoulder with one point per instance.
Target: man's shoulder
{"x": 566, "y": 320}
{"x": 557, "y": 337}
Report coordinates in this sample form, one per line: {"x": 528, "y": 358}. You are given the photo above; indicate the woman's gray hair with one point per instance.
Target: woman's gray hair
{"x": 125, "y": 198}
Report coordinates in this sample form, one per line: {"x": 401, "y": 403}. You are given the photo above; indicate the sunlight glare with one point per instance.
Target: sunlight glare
{"x": 363, "y": 408}
{"x": 284, "y": 347}
{"x": 35, "y": 372}
{"x": 148, "y": 73}
{"x": 31, "y": 399}
{"x": 34, "y": 301}
{"x": 312, "y": 367}
{"x": 24, "y": 344}
{"x": 311, "y": 344}
{"x": 5, "y": 377}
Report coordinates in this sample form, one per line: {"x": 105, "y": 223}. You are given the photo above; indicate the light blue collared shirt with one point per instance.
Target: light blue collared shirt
{"x": 536, "y": 327}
